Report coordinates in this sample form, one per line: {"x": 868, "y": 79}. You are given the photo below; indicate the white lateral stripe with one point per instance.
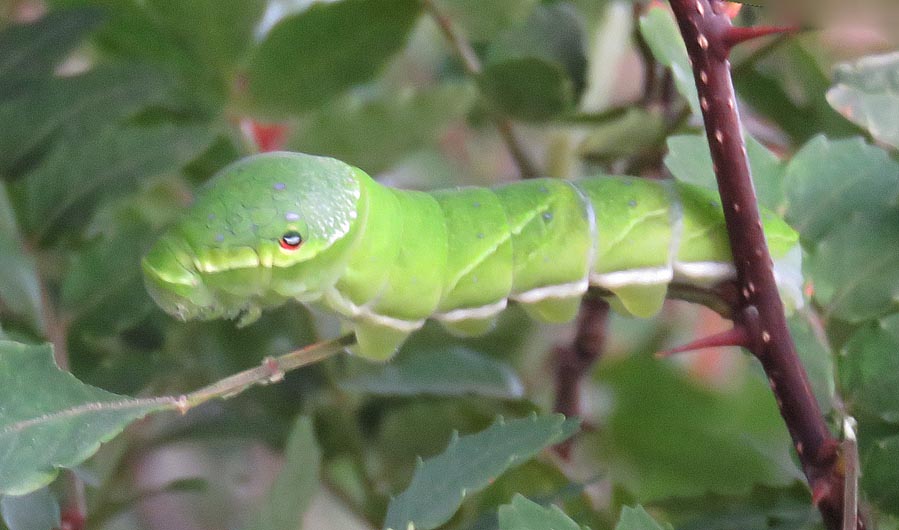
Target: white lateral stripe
{"x": 348, "y": 308}
{"x": 705, "y": 270}
{"x": 395, "y": 323}
{"x": 647, "y": 276}
{"x": 484, "y": 311}
{"x": 565, "y": 290}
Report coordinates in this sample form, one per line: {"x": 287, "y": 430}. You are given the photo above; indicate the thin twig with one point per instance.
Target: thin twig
{"x": 575, "y": 360}
{"x": 56, "y": 330}
{"x": 650, "y": 65}
{"x": 271, "y": 370}
{"x": 526, "y": 167}
{"x": 706, "y": 31}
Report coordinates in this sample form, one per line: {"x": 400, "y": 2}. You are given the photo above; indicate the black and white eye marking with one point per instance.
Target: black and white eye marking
{"x": 291, "y": 240}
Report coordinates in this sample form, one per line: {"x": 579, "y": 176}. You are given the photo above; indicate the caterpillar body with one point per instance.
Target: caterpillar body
{"x": 281, "y": 226}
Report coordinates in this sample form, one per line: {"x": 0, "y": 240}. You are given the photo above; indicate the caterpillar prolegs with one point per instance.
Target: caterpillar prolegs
{"x": 282, "y": 226}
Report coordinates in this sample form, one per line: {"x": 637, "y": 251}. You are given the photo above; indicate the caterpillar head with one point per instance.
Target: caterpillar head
{"x": 267, "y": 228}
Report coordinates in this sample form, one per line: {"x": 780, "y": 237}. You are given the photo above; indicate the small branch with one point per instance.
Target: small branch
{"x": 718, "y": 299}
{"x": 705, "y": 29}
{"x": 526, "y": 167}
{"x": 271, "y": 370}
{"x": 458, "y": 42}
{"x": 649, "y": 63}
{"x": 574, "y": 360}
{"x": 56, "y": 330}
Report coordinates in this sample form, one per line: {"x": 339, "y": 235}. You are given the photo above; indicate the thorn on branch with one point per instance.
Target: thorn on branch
{"x": 735, "y": 336}
{"x": 735, "y": 35}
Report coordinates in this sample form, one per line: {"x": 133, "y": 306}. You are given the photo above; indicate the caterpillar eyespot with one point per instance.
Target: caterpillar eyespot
{"x": 291, "y": 240}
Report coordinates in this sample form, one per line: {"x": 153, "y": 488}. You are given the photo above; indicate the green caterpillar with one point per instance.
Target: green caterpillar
{"x": 282, "y": 226}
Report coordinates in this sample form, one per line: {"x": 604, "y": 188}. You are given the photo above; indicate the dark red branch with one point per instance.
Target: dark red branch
{"x": 575, "y": 360}
{"x": 705, "y": 28}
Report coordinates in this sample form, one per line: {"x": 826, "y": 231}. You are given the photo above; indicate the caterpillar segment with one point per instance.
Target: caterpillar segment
{"x": 283, "y": 226}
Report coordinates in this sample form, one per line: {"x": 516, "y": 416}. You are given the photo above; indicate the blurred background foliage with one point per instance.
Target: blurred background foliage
{"x": 112, "y": 112}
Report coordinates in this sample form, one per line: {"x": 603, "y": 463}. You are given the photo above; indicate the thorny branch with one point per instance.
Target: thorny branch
{"x": 709, "y": 35}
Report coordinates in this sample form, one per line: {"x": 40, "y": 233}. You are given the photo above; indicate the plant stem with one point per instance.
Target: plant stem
{"x": 574, "y": 360}
{"x": 56, "y": 330}
{"x": 271, "y": 370}
{"x": 706, "y": 30}
{"x": 526, "y": 167}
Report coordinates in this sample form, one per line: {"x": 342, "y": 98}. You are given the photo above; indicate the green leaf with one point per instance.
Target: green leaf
{"x": 103, "y": 288}
{"x": 636, "y": 132}
{"x": 689, "y": 160}
{"x": 481, "y": 20}
{"x": 637, "y": 519}
{"x": 867, "y": 93}
{"x": 374, "y": 132}
{"x": 675, "y": 438}
{"x": 88, "y": 102}
{"x": 829, "y": 180}
{"x": 20, "y": 291}
{"x": 765, "y": 508}
{"x": 879, "y": 479}
{"x": 816, "y": 356}
{"x": 409, "y": 428}
{"x": 869, "y": 369}
{"x": 50, "y": 420}
{"x": 32, "y": 51}
{"x": 203, "y": 41}
{"x": 216, "y": 33}
{"x": 448, "y": 370}
{"x": 38, "y": 510}
{"x": 553, "y": 32}
{"x": 524, "y": 514}
{"x": 133, "y": 34}
{"x": 80, "y": 170}
{"x": 313, "y": 56}
{"x": 660, "y": 32}
{"x": 295, "y": 485}
{"x": 530, "y": 88}
{"x": 8, "y": 224}
{"x": 468, "y": 465}
{"x": 545, "y": 483}
{"x": 855, "y": 269}
{"x": 788, "y": 87}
